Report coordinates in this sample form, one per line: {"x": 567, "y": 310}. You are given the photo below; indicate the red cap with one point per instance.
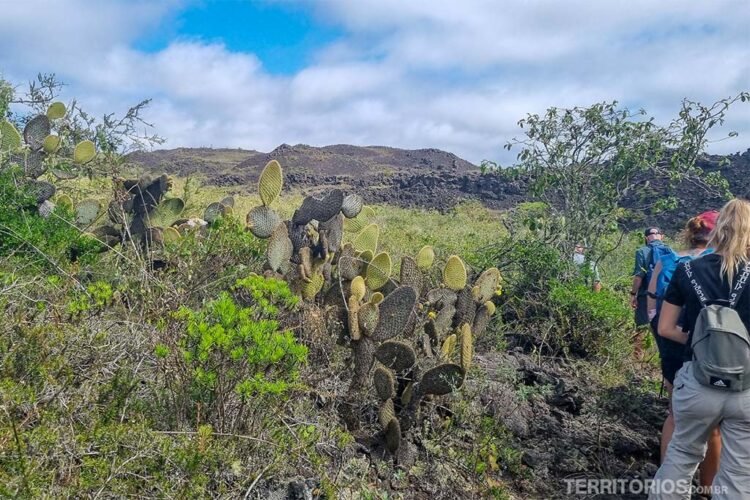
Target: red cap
{"x": 708, "y": 219}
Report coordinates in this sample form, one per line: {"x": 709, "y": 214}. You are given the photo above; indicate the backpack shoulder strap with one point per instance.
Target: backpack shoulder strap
{"x": 696, "y": 286}
{"x": 740, "y": 286}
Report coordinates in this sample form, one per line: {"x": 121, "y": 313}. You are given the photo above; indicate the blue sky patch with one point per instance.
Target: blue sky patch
{"x": 284, "y": 37}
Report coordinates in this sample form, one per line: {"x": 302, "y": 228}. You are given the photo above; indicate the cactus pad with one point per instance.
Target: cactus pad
{"x": 34, "y": 166}
{"x": 367, "y": 239}
{"x": 376, "y": 298}
{"x": 56, "y": 111}
{"x": 87, "y": 212}
{"x": 306, "y": 262}
{"x": 64, "y": 201}
{"x": 395, "y": 311}
{"x": 384, "y": 383}
{"x": 36, "y": 131}
{"x": 386, "y": 413}
{"x": 108, "y": 235}
{"x": 334, "y": 229}
{"x": 358, "y": 288}
{"x": 410, "y": 273}
{"x": 448, "y": 346}
{"x": 393, "y": 435}
{"x": 353, "y": 318}
{"x": 467, "y": 347}
{"x": 171, "y": 235}
{"x": 443, "y": 321}
{"x": 490, "y": 307}
{"x": 214, "y": 211}
{"x": 46, "y": 208}
{"x": 319, "y": 209}
{"x": 454, "y": 273}
{"x": 369, "y": 315}
{"x": 262, "y": 221}
{"x": 466, "y": 308}
{"x": 365, "y": 257}
{"x": 10, "y": 139}
{"x": 311, "y": 289}
{"x": 361, "y": 221}
{"x": 167, "y": 212}
{"x": 63, "y": 174}
{"x": 349, "y": 267}
{"x": 270, "y": 182}
{"x": 228, "y": 201}
{"x": 441, "y": 297}
{"x": 51, "y": 144}
{"x": 279, "y": 249}
{"x": 485, "y": 285}
{"x": 482, "y": 319}
{"x": 442, "y": 379}
{"x": 84, "y": 152}
{"x": 397, "y": 355}
{"x": 364, "y": 356}
{"x": 379, "y": 271}
{"x": 352, "y": 206}
{"x": 425, "y": 258}
{"x": 41, "y": 190}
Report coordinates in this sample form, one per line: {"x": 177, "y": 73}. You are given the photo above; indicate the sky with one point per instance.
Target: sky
{"x": 444, "y": 74}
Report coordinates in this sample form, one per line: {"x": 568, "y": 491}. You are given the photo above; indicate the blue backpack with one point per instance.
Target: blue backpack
{"x": 669, "y": 262}
{"x": 657, "y": 252}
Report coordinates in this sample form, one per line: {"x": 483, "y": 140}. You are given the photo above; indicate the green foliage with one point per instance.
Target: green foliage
{"x": 590, "y": 323}
{"x": 231, "y": 354}
{"x": 266, "y": 294}
{"x": 583, "y": 162}
{"x": 96, "y": 296}
{"x": 46, "y": 242}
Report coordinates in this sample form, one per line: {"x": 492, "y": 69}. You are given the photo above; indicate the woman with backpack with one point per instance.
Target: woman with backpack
{"x": 713, "y": 386}
{"x": 695, "y": 237}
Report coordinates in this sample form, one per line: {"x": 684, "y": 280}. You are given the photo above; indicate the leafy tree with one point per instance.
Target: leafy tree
{"x": 584, "y": 162}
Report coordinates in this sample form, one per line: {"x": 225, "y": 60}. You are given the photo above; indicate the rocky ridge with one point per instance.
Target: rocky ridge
{"x": 428, "y": 178}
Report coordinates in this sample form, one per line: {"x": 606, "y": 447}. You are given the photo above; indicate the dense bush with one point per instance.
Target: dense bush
{"x": 42, "y": 242}
{"x": 548, "y": 304}
{"x": 219, "y": 359}
{"x": 589, "y": 323}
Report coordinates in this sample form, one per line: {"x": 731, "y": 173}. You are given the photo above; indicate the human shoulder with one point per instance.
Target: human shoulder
{"x": 706, "y": 261}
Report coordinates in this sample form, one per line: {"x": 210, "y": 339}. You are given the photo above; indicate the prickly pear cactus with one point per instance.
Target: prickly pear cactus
{"x": 84, "y": 152}
{"x": 454, "y": 273}
{"x": 407, "y": 342}
{"x": 10, "y": 138}
{"x": 270, "y": 183}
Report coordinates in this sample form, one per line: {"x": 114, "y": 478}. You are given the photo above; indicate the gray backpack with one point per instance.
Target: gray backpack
{"x": 721, "y": 344}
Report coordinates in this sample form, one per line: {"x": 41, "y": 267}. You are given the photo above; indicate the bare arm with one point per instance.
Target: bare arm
{"x": 668, "y": 328}
{"x": 634, "y": 291}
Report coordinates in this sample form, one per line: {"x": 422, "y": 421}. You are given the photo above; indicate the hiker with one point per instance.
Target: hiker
{"x": 579, "y": 259}
{"x": 695, "y": 236}
{"x": 645, "y": 260}
{"x": 711, "y": 388}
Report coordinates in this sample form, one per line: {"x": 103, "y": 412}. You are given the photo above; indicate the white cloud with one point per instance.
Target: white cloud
{"x": 423, "y": 73}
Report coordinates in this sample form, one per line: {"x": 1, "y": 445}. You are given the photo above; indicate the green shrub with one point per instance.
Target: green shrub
{"x": 589, "y": 323}
{"x": 549, "y": 307}
{"x": 46, "y": 243}
{"x": 226, "y": 355}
